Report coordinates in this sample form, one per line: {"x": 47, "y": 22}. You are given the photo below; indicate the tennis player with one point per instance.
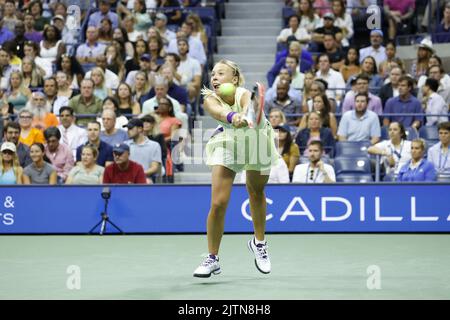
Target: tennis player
{"x": 232, "y": 148}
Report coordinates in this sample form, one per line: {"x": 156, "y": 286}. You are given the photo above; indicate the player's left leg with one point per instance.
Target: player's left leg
{"x": 256, "y": 182}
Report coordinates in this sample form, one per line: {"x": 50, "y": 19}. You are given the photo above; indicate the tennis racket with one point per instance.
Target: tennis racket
{"x": 256, "y": 108}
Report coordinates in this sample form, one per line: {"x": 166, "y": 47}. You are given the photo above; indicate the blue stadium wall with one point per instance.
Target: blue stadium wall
{"x": 183, "y": 208}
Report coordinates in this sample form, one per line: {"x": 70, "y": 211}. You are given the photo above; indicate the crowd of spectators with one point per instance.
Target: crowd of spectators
{"x": 100, "y": 103}
{"x": 331, "y": 89}
{"x": 73, "y": 89}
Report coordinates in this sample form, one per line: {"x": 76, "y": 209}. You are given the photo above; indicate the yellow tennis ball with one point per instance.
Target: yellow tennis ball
{"x": 226, "y": 89}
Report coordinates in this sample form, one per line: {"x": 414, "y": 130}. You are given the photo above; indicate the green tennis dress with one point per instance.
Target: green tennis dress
{"x": 243, "y": 148}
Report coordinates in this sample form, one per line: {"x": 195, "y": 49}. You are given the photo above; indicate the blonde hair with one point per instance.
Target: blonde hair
{"x": 236, "y": 73}
{"x": 22, "y": 88}
{"x": 15, "y": 163}
{"x": 102, "y": 84}
{"x": 421, "y": 142}
{"x": 93, "y": 149}
{"x": 280, "y": 113}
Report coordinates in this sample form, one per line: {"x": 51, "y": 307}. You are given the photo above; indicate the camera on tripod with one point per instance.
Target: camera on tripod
{"x": 106, "y": 195}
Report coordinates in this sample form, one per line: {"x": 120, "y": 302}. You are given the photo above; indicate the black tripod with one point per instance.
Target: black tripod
{"x": 106, "y": 194}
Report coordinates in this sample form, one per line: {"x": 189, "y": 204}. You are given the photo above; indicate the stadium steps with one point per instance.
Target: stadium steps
{"x": 193, "y": 177}
{"x": 249, "y": 36}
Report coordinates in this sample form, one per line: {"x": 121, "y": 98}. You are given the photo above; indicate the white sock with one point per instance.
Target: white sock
{"x": 260, "y": 242}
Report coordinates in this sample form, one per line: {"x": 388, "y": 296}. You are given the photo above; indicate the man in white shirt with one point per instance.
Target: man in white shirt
{"x": 433, "y": 103}
{"x": 166, "y": 34}
{"x": 336, "y": 83}
{"x": 439, "y": 153}
{"x": 196, "y": 49}
{"x": 189, "y": 69}
{"x": 71, "y": 135}
{"x": 111, "y": 79}
{"x": 315, "y": 171}
{"x": 376, "y": 50}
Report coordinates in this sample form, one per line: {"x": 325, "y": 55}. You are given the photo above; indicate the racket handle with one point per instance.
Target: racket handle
{"x": 251, "y": 117}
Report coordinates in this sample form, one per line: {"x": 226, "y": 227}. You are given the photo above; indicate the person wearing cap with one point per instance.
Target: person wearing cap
{"x": 398, "y": 14}
{"x": 144, "y": 66}
{"x": 142, "y": 150}
{"x": 104, "y": 12}
{"x": 105, "y": 151}
{"x": 315, "y": 171}
{"x": 196, "y": 49}
{"x": 161, "y": 24}
{"x": 10, "y": 170}
{"x": 68, "y": 35}
{"x": 88, "y": 52}
{"x": 287, "y": 148}
{"x": 327, "y": 27}
{"x": 419, "y": 66}
{"x": 124, "y": 170}
{"x": 376, "y": 49}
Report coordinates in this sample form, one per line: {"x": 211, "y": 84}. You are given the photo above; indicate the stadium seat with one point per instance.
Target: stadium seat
{"x": 443, "y": 177}
{"x": 352, "y": 148}
{"x": 352, "y": 165}
{"x": 390, "y": 178}
{"x": 429, "y": 133}
{"x": 384, "y": 133}
{"x": 354, "y": 178}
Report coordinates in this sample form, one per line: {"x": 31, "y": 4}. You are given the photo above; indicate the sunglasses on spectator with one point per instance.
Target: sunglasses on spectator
{"x": 8, "y": 152}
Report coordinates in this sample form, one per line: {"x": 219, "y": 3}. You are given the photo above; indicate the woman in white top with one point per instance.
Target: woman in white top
{"x": 293, "y": 30}
{"x": 308, "y": 19}
{"x": 396, "y": 151}
{"x": 198, "y": 29}
{"x": 343, "y": 20}
{"x": 52, "y": 47}
{"x": 100, "y": 90}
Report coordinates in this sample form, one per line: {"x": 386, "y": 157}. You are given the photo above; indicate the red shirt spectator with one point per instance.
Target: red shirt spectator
{"x": 123, "y": 170}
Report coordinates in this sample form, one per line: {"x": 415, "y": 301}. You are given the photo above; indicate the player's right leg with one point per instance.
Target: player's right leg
{"x": 222, "y": 182}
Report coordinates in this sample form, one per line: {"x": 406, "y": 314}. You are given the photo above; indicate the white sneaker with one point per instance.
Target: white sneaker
{"x": 262, "y": 260}
{"x": 210, "y": 265}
